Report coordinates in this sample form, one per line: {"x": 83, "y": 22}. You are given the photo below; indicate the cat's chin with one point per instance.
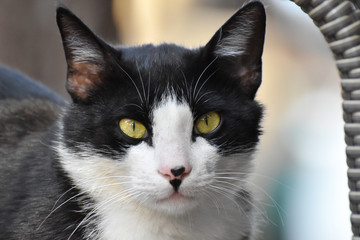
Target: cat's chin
{"x": 175, "y": 204}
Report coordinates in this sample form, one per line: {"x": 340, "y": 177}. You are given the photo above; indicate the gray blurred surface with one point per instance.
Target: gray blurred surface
{"x": 29, "y": 38}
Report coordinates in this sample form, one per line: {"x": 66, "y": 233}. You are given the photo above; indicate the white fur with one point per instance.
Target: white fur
{"x": 133, "y": 201}
{"x": 173, "y": 123}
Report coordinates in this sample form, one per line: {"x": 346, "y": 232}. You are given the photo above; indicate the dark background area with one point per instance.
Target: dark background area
{"x": 30, "y": 41}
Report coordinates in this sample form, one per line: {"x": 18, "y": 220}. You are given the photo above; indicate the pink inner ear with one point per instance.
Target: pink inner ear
{"x": 83, "y": 77}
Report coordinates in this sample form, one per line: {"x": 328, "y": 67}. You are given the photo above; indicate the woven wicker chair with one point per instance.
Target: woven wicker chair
{"x": 339, "y": 22}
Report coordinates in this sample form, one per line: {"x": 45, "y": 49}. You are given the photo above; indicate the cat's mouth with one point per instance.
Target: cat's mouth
{"x": 176, "y": 197}
{"x": 175, "y": 204}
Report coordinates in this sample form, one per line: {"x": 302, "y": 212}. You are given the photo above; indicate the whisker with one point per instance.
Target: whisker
{"x": 253, "y": 205}
{"x": 228, "y": 193}
{"x": 141, "y": 79}
{"x": 148, "y": 92}
{"x": 131, "y": 79}
{"x": 203, "y": 95}
{"x": 213, "y": 199}
{"x": 258, "y": 175}
{"x": 133, "y": 104}
{"x": 188, "y": 94}
{"x": 199, "y": 78}
{"x": 277, "y": 206}
{"x": 95, "y": 210}
{"x": 202, "y": 85}
{"x": 62, "y": 196}
{"x": 54, "y": 210}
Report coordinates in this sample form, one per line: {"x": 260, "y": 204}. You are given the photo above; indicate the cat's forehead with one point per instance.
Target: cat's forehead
{"x": 151, "y": 56}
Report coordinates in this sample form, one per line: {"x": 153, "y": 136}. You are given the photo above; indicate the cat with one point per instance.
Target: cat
{"x": 157, "y": 142}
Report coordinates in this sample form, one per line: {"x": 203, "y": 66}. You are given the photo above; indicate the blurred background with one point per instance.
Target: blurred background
{"x": 300, "y": 166}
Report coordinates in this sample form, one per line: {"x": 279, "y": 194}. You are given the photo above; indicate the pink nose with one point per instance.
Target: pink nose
{"x": 175, "y": 175}
{"x": 178, "y": 172}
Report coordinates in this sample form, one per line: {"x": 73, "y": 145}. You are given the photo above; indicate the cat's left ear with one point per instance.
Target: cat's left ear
{"x": 85, "y": 55}
{"x": 238, "y": 46}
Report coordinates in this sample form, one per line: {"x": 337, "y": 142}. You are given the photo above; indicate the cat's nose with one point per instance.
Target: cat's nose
{"x": 175, "y": 175}
{"x": 178, "y": 172}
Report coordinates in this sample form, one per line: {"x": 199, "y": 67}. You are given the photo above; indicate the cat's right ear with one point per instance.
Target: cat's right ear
{"x": 85, "y": 55}
{"x": 238, "y": 46}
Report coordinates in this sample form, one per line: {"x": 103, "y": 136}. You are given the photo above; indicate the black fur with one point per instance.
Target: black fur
{"x": 127, "y": 82}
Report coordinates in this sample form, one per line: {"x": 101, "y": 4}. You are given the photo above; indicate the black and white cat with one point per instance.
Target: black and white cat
{"x": 157, "y": 143}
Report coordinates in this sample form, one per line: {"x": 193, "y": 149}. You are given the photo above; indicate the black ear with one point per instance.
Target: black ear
{"x": 238, "y": 46}
{"x": 85, "y": 55}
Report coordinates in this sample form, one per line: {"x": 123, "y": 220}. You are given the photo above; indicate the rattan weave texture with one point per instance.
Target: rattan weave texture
{"x": 339, "y": 22}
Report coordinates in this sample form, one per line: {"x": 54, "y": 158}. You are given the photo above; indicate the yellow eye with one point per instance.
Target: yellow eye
{"x": 132, "y": 128}
{"x": 208, "y": 122}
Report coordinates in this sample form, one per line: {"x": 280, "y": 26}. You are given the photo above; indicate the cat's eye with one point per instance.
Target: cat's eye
{"x": 208, "y": 122}
{"x": 132, "y": 128}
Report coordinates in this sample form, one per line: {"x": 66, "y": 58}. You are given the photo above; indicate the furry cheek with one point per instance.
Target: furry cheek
{"x": 143, "y": 169}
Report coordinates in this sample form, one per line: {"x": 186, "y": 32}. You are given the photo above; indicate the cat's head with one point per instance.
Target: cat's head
{"x": 164, "y": 127}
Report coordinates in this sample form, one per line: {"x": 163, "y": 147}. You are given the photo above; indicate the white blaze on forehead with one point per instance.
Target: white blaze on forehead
{"x": 172, "y": 128}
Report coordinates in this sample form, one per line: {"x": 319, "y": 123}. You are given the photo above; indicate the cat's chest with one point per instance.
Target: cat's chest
{"x": 202, "y": 224}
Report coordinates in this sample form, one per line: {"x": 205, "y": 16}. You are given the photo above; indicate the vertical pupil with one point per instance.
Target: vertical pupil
{"x": 206, "y": 120}
{"x": 133, "y": 126}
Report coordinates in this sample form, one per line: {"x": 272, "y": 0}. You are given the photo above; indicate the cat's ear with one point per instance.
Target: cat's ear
{"x": 238, "y": 46}
{"x": 85, "y": 55}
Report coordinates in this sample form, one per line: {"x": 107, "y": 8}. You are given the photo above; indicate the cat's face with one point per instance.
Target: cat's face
{"x": 163, "y": 127}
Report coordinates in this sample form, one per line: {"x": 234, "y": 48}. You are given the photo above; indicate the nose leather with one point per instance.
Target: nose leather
{"x": 178, "y": 170}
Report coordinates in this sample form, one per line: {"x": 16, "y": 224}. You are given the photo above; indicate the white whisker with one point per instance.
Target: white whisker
{"x": 131, "y": 79}
{"x": 188, "y": 94}
{"x": 253, "y": 205}
{"x": 203, "y": 95}
{"x": 202, "y": 85}
{"x": 229, "y": 194}
{"x": 199, "y": 78}
{"x": 148, "y": 92}
{"x": 257, "y": 175}
{"x": 213, "y": 199}
{"x": 62, "y": 196}
{"x": 277, "y": 206}
{"x": 134, "y": 104}
{"x": 55, "y": 209}
{"x": 141, "y": 79}
{"x": 95, "y": 210}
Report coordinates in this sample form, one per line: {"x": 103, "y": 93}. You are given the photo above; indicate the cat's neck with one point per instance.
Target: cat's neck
{"x": 215, "y": 219}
